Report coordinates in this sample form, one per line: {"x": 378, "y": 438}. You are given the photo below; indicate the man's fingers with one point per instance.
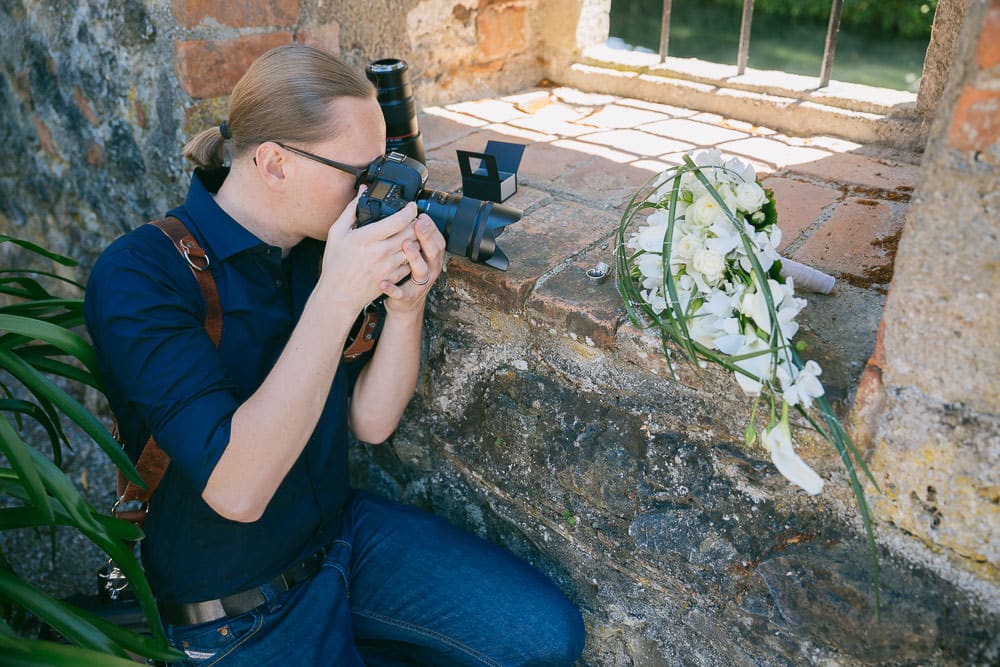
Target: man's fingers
{"x": 391, "y": 225}
{"x": 347, "y": 218}
{"x": 418, "y": 264}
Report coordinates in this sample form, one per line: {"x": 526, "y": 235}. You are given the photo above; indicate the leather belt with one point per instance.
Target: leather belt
{"x": 190, "y": 613}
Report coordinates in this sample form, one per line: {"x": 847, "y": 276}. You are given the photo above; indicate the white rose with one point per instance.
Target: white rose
{"x": 710, "y": 265}
{"x": 750, "y": 197}
{"x": 703, "y": 211}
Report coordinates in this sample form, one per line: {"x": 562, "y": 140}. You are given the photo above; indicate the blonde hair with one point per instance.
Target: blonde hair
{"x": 285, "y": 96}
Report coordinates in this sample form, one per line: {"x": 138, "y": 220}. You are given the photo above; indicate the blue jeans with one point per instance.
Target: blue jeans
{"x": 399, "y": 587}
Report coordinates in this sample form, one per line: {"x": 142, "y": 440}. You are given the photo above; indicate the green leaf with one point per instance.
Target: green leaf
{"x": 64, "y": 339}
{"x": 131, "y": 641}
{"x": 20, "y": 456}
{"x": 43, "y": 307}
{"x": 22, "y": 287}
{"x": 38, "y": 357}
{"x": 64, "y": 618}
{"x": 36, "y": 653}
{"x": 39, "y": 415}
{"x": 41, "y": 387}
{"x": 47, "y": 274}
{"x": 29, "y": 517}
{"x": 38, "y": 250}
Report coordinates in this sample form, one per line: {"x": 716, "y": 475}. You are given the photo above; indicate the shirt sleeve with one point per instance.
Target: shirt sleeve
{"x": 145, "y": 314}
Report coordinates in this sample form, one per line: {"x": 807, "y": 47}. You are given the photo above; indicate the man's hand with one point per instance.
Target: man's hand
{"x": 425, "y": 259}
{"x": 359, "y": 261}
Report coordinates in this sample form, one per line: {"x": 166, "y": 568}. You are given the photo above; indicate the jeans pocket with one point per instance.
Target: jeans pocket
{"x": 206, "y": 644}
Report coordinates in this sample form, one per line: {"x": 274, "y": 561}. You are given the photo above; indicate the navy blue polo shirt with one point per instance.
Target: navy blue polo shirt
{"x": 163, "y": 375}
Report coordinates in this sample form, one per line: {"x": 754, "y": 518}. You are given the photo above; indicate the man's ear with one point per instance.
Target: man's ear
{"x": 271, "y": 163}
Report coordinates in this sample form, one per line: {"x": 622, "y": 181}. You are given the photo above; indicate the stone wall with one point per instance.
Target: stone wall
{"x": 935, "y": 377}
{"x": 631, "y": 491}
{"x": 100, "y": 96}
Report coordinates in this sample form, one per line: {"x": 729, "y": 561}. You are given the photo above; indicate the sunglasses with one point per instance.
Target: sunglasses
{"x": 357, "y": 172}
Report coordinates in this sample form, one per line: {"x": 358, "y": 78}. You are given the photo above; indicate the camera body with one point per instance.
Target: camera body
{"x": 393, "y": 180}
{"x": 469, "y": 226}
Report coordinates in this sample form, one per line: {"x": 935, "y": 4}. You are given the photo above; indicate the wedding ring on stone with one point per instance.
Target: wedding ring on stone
{"x": 599, "y": 273}
{"x": 417, "y": 282}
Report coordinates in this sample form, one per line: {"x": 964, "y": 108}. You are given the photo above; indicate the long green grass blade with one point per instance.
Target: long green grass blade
{"x": 61, "y": 488}
{"x": 22, "y": 287}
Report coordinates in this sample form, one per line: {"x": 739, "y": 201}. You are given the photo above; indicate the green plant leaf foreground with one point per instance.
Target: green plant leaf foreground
{"x": 35, "y": 653}
{"x": 57, "y": 336}
{"x": 672, "y": 327}
{"x": 40, "y": 386}
{"x": 29, "y": 409}
{"x": 59, "y": 615}
{"x": 38, "y": 250}
{"x": 18, "y": 453}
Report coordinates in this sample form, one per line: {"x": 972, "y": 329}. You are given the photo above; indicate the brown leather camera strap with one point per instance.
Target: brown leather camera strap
{"x": 366, "y": 333}
{"x": 153, "y": 461}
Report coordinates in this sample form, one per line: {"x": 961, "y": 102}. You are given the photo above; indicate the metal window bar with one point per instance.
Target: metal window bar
{"x": 831, "y": 42}
{"x": 743, "y": 56}
{"x": 744, "y": 52}
{"x": 665, "y": 30}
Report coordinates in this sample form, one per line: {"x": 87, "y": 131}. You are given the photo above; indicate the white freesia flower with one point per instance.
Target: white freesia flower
{"x": 800, "y": 385}
{"x": 742, "y": 169}
{"x": 692, "y": 185}
{"x": 725, "y": 237}
{"x": 686, "y": 245}
{"x": 757, "y": 363}
{"x": 655, "y": 301}
{"x": 750, "y": 197}
{"x": 754, "y": 305}
{"x": 651, "y": 268}
{"x": 650, "y": 238}
{"x": 711, "y": 157}
{"x": 728, "y": 193}
{"x": 778, "y": 441}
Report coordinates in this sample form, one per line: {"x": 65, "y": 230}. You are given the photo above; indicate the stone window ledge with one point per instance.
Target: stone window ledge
{"x": 787, "y": 102}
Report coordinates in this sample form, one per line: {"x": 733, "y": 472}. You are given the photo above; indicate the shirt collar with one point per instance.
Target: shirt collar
{"x": 223, "y": 236}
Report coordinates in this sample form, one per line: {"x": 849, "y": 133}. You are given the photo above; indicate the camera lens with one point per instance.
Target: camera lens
{"x": 469, "y": 226}
{"x": 399, "y": 109}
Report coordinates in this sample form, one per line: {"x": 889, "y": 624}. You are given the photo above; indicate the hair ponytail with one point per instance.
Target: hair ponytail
{"x": 206, "y": 149}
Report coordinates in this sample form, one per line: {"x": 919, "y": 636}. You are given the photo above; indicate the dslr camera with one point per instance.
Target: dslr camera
{"x": 469, "y": 226}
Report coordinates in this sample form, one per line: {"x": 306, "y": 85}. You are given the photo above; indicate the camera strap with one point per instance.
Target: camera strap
{"x": 366, "y": 331}
{"x": 133, "y": 501}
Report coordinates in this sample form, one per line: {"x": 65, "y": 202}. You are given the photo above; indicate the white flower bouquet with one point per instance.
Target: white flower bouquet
{"x": 696, "y": 258}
